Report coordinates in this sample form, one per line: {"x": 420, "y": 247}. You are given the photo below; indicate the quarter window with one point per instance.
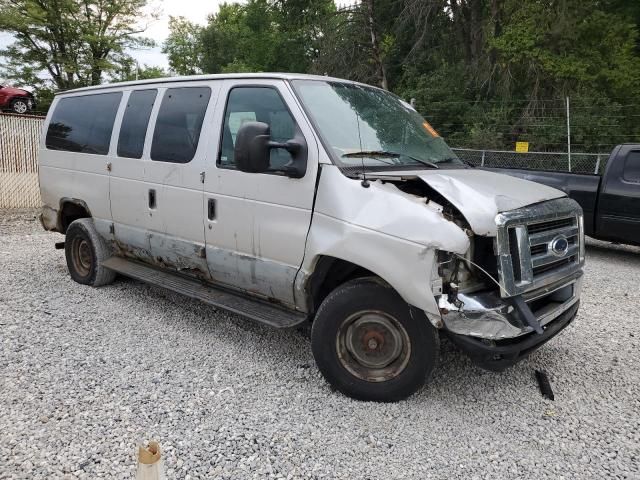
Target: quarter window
{"x": 632, "y": 167}
{"x": 84, "y": 123}
{"x": 177, "y": 132}
{"x": 256, "y": 104}
{"x": 134, "y": 123}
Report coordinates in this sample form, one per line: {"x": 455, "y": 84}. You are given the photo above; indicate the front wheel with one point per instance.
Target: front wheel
{"x": 370, "y": 345}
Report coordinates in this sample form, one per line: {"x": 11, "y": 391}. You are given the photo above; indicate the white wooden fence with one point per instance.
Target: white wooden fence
{"x": 19, "y": 138}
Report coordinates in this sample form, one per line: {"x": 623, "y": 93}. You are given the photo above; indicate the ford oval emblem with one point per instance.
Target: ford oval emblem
{"x": 559, "y": 246}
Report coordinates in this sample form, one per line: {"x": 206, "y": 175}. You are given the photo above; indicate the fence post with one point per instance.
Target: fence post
{"x": 482, "y": 162}
{"x": 568, "y": 133}
{"x": 597, "y": 165}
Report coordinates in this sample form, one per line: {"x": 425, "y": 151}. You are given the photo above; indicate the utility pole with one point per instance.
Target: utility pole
{"x": 569, "y": 133}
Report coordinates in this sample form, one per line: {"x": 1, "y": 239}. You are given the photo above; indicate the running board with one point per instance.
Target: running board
{"x": 257, "y": 310}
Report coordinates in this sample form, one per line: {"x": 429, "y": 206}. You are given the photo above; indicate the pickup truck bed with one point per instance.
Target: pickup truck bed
{"x": 611, "y": 202}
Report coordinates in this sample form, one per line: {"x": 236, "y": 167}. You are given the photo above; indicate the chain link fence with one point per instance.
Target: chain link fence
{"x": 19, "y": 138}
{"x": 592, "y": 163}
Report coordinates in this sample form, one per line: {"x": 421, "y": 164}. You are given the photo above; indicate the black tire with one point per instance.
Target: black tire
{"x": 85, "y": 251}
{"x": 369, "y": 308}
{"x": 20, "y": 105}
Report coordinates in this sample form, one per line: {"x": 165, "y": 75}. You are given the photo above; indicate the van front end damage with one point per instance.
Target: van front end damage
{"x": 512, "y": 293}
{"x": 498, "y": 276}
{"x": 392, "y": 228}
{"x": 496, "y": 332}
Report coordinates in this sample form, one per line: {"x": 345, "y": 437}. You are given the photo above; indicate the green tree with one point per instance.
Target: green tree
{"x": 350, "y": 46}
{"x": 75, "y": 42}
{"x": 264, "y": 35}
{"x": 488, "y": 73}
{"x": 129, "y": 70}
{"x": 184, "y": 46}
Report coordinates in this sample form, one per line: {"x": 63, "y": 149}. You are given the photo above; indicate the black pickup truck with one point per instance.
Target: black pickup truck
{"x": 611, "y": 202}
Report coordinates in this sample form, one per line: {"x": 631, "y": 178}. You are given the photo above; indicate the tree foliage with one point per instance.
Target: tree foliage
{"x": 73, "y": 42}
{"x": 257, "y": 36}
{"x": 184, "y": 48}
{"x": 486, "y": 72}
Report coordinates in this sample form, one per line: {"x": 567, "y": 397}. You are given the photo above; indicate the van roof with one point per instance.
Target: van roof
{"x": 281, "y": 76}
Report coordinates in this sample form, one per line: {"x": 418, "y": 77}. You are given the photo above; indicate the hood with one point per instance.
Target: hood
{"x": 480, "y": 195}
{"x": 15, "y": 91}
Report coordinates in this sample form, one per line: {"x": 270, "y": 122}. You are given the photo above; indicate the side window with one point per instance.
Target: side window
{"x": 632, "y": 167}
{"x": 256, "y": 104}
{"x": 134, "y": 123}
{"x": 83, "y": 124}
{"x": 177, "y": 131}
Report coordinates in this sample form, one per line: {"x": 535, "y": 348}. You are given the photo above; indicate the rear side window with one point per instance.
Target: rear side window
{"x": 632, "y": 167}
{"x": 177, "y": 131}
{"x": 134, "y": 123}
{"x": 83, "y": 124}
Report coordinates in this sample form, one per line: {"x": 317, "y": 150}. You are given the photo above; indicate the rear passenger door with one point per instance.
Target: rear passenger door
{"x": 128, "y": 188}
{"x": 174, "y": 176}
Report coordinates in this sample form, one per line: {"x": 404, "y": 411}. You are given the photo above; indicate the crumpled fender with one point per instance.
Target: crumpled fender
{"x": 383, "y": 229}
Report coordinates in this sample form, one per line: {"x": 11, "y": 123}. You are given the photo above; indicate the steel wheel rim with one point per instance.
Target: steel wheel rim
{"x": 373, "y": 346}
{"x": 20, "y": 107}
{"x": 82, "y": 256}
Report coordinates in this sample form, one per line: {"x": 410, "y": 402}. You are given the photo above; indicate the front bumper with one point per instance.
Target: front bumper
{"x": 499, "y": 355}
{"x": 496, "y": 334}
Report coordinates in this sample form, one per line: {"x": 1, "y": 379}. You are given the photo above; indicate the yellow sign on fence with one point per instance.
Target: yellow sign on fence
{"x": 522, "y": 147}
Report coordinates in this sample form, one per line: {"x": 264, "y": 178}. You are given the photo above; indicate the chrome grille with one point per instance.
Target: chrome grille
{"x": 539, "y": 245}
{"x": 550, "y": 225}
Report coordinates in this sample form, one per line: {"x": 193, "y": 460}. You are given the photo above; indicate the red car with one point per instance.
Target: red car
{"x": 16, "y": 100}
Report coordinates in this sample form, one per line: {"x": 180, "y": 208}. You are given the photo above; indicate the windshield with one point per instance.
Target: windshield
{"x": 371, "y": 127}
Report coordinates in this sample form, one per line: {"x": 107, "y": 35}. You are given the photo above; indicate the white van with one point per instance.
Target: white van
{"x": 291, "y": 199}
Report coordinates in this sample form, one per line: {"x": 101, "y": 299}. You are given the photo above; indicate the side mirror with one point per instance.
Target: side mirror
{"x": 253, "y": 151}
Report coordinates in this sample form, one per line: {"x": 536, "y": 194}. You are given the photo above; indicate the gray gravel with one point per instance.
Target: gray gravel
{"x": 86, "y": 374}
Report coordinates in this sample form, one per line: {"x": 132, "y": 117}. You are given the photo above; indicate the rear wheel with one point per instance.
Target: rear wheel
{"x": 20, "y": 106}
{"x": 369, "y": 343}
{"x": 85, "y": 251}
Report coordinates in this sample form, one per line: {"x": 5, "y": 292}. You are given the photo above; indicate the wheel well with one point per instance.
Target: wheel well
{"x": 71, "y": 211}
{"x": 329, "y": 274}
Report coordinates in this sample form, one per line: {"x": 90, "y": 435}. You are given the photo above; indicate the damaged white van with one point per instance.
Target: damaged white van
{"x": 290, "y": 199}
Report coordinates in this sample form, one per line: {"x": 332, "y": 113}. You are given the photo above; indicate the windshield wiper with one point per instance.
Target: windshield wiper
{"x": 388, "y": 154}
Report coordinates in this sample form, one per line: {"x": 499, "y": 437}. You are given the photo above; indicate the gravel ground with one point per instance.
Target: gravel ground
{"x": 87, "y": 374}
